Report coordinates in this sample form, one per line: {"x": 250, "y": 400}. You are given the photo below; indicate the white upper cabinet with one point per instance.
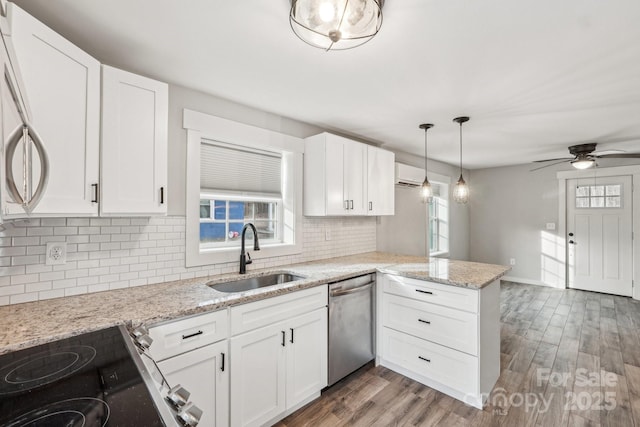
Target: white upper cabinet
{"x": 340, "y": 179}
{"x": 134, "y": 144}
{"x": 380, "y": 181}
{"x": 337, "y": 177}
{"x": 62, "y": 85}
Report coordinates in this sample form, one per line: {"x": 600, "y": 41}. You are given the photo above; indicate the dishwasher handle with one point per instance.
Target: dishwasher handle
{"x": 341, "y": 292}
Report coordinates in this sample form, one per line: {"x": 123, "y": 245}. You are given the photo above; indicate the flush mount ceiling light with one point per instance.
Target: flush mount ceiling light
{"x": 336, "y": 24}
{"x": 426, "y": 190}
{"x": 461, "y": 189}
{"x": 583, "y": 161}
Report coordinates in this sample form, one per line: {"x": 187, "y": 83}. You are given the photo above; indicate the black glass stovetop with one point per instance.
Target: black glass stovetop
{"x": 88, "y": 380}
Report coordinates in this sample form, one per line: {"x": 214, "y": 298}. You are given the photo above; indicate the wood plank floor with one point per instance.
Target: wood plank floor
{"x": 569, "y": 358}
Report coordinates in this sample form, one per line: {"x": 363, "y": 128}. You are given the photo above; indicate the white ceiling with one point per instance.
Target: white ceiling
{"x": 534, "y": 75}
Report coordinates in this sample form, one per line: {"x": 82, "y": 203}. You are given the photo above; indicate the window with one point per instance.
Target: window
{"x": 438, "y": 236}
{"x": 239, "y": 185}
{"x": 599, "y": 196}
{"x": 221, "y": 221}
{"x": 235, "y": 174}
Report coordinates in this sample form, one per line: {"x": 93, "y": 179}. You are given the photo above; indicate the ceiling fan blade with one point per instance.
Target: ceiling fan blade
{"x": 605, "y": 152}
{"x": 620, "y": 156}
{"x": 550, "y": 164}
{"x": 552, "y": 160}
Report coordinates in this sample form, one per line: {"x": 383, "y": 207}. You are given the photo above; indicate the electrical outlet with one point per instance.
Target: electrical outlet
{"x": 327, "y": 234}
{"x": 551, "y": 226}
{"x": 56, "y": 253}
{"x": 512, "y": 261}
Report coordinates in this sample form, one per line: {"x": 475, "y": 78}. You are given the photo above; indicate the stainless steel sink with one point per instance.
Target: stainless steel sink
{"x": 254, "y": 282}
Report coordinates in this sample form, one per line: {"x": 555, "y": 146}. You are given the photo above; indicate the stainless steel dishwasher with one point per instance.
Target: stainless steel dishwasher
{"x": 351, "y": 325}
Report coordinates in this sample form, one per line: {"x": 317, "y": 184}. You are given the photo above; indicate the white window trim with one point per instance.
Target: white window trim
{"x": 563, "y": 176}
{"x": 199, "y": 126}
{"x": 437, "y": 178}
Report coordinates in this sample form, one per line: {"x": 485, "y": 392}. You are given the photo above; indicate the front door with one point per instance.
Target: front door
{"x": 599, "y": 234}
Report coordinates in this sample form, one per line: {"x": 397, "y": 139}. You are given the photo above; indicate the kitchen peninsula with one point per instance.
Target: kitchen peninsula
{"x": 464, "y": 293}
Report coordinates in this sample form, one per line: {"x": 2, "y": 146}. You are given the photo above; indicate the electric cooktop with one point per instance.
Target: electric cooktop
{"x": 88, "y": 380}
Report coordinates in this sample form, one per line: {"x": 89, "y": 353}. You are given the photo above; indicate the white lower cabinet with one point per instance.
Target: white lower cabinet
{"x": 279, "y": 367}
{"x": 194, "y": 352}
{"x": 204, "y": 372}
{"x": 445, "y": 337}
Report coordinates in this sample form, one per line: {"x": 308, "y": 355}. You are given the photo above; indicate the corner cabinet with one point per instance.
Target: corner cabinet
{"x": 134, "y": 144}
{"x": 278, "y": 356}
{"x": 62, "y": 85}
{"x": 344, "y": 178}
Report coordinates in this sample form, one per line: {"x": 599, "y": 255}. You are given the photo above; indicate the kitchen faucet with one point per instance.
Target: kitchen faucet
{"x": 243, "y": 254}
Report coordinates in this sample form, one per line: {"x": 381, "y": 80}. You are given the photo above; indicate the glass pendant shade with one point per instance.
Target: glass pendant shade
{"x": 426, "y": 191}
{"x": 461, "y": 191}
{"x": 336, "y": 24}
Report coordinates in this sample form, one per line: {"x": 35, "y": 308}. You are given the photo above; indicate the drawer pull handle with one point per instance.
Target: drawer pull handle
{"x": 222, "y": 367}
{"x": 424, "y": 358}
{"x": 424, "y": 321}
{"x": 283, "y": 337}
{"x": 424, "y": 292}
{"x": 195, "y": 334}
{"x": 291, "y": 336}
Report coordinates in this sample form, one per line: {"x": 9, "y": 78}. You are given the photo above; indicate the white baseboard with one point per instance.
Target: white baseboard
{"x": 529, "y": 282}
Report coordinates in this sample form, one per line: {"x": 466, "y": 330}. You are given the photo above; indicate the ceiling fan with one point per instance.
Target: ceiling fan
{"x": 585, "y": 156}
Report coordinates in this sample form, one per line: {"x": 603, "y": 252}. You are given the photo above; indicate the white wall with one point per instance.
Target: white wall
{"x": 181, "y": 98}
{"x": 406, "y": 232}
{"x": 509, "y": 210}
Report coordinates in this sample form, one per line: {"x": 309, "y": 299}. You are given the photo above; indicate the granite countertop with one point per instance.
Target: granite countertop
{"x": 33, "y": 323}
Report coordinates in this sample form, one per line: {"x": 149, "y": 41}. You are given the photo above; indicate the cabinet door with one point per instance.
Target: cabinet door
{"x": 204, "y": 374}
{"x": 62, "y": 85}
{"x": 334, "y": 166}
{"x": 355, "y": 176}
{"x": 258, "y": 376}
{"x": 380, "y": 181}
{"x": 134, "y": 144}
{"x": 306, "y": 356}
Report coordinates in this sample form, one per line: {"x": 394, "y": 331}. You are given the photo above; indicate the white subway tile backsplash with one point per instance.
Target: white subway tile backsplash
{"x": 114, "y": 253}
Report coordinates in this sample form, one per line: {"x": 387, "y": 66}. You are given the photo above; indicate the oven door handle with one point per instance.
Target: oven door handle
{"x": 341, "y": 292}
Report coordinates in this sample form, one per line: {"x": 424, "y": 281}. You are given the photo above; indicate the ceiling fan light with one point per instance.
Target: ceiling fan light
{"x": 336, "y": 24}
{"x": 461, "y": 191}
{"x": 583, "y": 163}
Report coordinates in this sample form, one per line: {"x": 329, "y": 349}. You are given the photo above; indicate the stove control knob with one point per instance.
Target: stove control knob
{"x": 140, "y": 331}
{"x": 190, "y": 415}
{"x": 178, "y": 396}
{"x": 144, "y": 341}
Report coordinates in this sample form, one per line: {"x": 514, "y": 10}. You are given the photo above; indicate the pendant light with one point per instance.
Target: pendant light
{"x": 461, "y": 189}
{"x": 426, "y": 189}
{"x": 336, "y": 24}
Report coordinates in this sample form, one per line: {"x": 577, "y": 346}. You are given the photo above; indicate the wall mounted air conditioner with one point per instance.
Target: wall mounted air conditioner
{"x": 409, "y": 176}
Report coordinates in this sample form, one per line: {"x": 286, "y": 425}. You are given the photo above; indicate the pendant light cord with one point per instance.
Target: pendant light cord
{"x": 425, "y": 152}
{"x": 461, "y": 149}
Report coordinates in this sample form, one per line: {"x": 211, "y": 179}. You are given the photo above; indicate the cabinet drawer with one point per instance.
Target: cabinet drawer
{"x": 254, "y": 315}
{"x": 172, "y": 338}
{"x": 447, "y": 326}
{"x": 435, "y": 293}
{"x": 452, "y": 368}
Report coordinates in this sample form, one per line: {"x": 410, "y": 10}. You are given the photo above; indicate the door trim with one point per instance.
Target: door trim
{"x": 634, "y": 171}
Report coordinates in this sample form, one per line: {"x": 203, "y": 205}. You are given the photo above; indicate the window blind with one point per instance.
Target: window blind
{"x": 235, "y": 168}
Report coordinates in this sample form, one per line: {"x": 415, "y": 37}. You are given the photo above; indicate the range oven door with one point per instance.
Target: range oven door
{"x": 20, "y": 145}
